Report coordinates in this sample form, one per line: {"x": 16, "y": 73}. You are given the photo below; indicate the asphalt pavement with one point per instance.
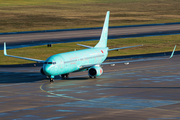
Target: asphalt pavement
{"x": 138, "y": 91}
{"x": 76, "y": 35}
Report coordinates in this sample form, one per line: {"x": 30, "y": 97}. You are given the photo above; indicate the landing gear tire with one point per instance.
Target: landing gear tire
{"x": 51, "y": 80}
{"x": 92, "y": 76}
{"x": 65, "y": 76}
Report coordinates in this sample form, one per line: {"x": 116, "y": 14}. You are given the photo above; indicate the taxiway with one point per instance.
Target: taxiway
{"x": 76, "y": 35}
{"x": 139, "y": 91}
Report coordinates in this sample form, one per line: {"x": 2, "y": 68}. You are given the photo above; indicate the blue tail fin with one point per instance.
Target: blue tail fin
{"x": 104, "y": 34}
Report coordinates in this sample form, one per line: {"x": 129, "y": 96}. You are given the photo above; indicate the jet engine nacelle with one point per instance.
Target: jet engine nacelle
{"x": 42, "y": 71}
{"x": 95, "y": 71}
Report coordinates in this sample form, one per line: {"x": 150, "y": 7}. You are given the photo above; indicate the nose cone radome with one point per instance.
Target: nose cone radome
{"x": 47, "y": 69}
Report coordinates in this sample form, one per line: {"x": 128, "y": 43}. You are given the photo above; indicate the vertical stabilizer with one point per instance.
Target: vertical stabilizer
{"x": 104, "y": 35}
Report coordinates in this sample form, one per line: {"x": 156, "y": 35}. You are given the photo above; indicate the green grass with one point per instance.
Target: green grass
{"x": 30, "y": 15}
{"x": 59, "y": 2}
{"x": 151, "y": 45}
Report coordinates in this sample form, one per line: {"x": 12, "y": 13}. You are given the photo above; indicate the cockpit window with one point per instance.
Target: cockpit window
{"x": 50, "y": 63}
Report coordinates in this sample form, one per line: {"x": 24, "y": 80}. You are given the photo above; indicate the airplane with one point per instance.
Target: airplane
{"x": 90, "y": 59}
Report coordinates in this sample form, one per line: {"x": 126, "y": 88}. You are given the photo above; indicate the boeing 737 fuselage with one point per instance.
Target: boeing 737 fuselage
{"x": 64, "y": 63}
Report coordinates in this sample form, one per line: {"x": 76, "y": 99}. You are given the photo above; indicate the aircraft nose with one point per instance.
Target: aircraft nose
{"x": 47, "y": 70}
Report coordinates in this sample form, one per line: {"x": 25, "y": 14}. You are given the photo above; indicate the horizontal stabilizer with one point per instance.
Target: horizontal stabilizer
{"x": 124, "y": 47}
{"x": 85, "y": 46}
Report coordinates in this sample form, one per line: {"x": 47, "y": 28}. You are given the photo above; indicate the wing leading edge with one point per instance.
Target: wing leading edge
{"x": 36, "y": 60}
{"x": 86, "y": 46}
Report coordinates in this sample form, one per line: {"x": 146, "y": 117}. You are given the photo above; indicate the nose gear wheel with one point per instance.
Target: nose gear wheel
{"x": 51, "y": 80}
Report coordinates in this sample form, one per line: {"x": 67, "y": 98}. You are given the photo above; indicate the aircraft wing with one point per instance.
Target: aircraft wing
{"x": 128, "y": 61}
{"x": 124, "y": 47}
{"x": 139, "y": 60}
{"x": 87, "y": 66}
{"x": 36, "y": 60}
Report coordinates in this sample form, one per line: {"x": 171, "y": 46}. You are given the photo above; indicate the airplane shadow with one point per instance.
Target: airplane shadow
{"x": 24, "y": 73}
{"x": 22, "y": 65}
{"x": 29, "y": 77}
{"x": 20, "y": 77}
{"x": 77, "y": 78}
{"x": 20, "y": 73}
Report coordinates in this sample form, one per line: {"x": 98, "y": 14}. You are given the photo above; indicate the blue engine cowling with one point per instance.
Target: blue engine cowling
{"x": 95, "y": 71}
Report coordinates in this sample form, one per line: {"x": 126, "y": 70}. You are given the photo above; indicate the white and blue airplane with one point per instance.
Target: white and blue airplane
{"x": 89, "y": 59}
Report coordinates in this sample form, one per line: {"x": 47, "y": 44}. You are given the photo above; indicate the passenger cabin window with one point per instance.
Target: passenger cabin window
{"x": 50, "y": 63}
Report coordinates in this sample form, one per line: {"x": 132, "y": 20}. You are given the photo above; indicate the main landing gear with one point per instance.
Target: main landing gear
{"x": 65, "y": 76}
{"x": 92, "y": 77}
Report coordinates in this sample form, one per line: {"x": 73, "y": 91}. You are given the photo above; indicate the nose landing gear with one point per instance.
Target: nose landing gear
{"x": 51, "y": 79}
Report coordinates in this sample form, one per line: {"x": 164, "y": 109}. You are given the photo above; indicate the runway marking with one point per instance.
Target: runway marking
{"x": 112, "y": 102}
{"x": 69, "y": 97}
{"x": 60, "y": 95}
{"x": 105, "y": 103}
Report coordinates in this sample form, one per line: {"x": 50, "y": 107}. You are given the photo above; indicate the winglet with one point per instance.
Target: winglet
{"x": 173, "y": 52}
{"x": 5, "y": 53}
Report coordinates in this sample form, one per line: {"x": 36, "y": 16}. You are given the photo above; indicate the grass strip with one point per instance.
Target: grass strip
{"x": 151, "y": 45}
{"x": 32, "y": 15}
